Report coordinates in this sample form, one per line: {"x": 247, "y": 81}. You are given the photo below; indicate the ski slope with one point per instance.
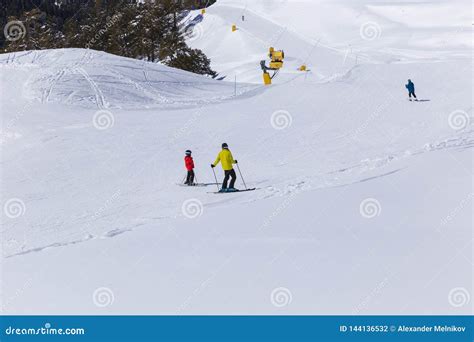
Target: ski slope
{"x": 330, "y": 37}
{"x": 94, "y": 79}
{"x": 364, "y": 204}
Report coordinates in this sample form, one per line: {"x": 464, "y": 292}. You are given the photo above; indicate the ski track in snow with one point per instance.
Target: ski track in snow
{"x": 100, "y": 99}
{"x": 108, "y": 234}
{"x": 367, "y": 165}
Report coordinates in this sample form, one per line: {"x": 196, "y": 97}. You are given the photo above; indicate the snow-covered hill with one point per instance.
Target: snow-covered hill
{"x": 99, "y": 80}
{"x": 363, "y": 202}
{"x": 330, "y": 37}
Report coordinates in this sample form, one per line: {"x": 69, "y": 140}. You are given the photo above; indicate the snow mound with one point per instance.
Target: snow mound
{"x": 96, "y": 79}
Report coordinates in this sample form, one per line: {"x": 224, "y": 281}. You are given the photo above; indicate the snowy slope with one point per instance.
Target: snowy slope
{"x": 99, "y": 80}
{"x": 92, "y": 148}
{"x": 330, "y": 37}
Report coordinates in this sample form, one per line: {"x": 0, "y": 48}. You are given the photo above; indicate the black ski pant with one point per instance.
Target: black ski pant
{"x": 411, "y": 93}
{"x": 232, "y": 175}
{"x": 190, "y": 177}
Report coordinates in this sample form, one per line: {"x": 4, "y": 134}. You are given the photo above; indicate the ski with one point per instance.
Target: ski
{"x": 197, "y": 184}
{"x": 231, "y": 192}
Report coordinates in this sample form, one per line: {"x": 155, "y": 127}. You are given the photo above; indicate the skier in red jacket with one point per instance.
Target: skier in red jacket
{"x": 189, "y": 163}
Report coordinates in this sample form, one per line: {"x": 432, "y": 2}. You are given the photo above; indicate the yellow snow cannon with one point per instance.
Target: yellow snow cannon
{"x": 267, "y": 80}
{"x": 276, "y": 58}
{"x": 234, "y": 28}
{"x": 276, "y": 63}
{"x": 302, "y": 68}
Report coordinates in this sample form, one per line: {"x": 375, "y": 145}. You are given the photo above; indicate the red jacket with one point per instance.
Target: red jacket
{"x": 188, "y": 161}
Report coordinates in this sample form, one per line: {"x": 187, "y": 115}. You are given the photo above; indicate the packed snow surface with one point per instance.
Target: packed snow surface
{"x": 363, "y": 202}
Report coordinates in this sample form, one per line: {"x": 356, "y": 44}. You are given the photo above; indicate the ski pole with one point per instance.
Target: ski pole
{"x": 215, "y": 177}
{"x": 243, "y": 180}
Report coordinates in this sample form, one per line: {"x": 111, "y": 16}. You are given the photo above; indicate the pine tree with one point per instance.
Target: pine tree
{"x": 149, "y": 30}
{"x": 41, "y": 33}
{"x": 193, "y": 60}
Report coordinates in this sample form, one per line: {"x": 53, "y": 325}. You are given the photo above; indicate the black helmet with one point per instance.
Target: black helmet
{"x": 188, "y": 152}
{"x": 224, "y": 145}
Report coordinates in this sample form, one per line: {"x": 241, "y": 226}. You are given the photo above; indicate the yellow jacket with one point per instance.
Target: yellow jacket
{"x": 226, "y": 159}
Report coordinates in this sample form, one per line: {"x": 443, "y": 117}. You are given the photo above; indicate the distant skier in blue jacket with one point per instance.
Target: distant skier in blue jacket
{"x": 411, "y": 89}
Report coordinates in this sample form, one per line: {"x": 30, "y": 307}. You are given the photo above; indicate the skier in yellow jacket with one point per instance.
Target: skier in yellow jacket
{"x": 227, "y": 160}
